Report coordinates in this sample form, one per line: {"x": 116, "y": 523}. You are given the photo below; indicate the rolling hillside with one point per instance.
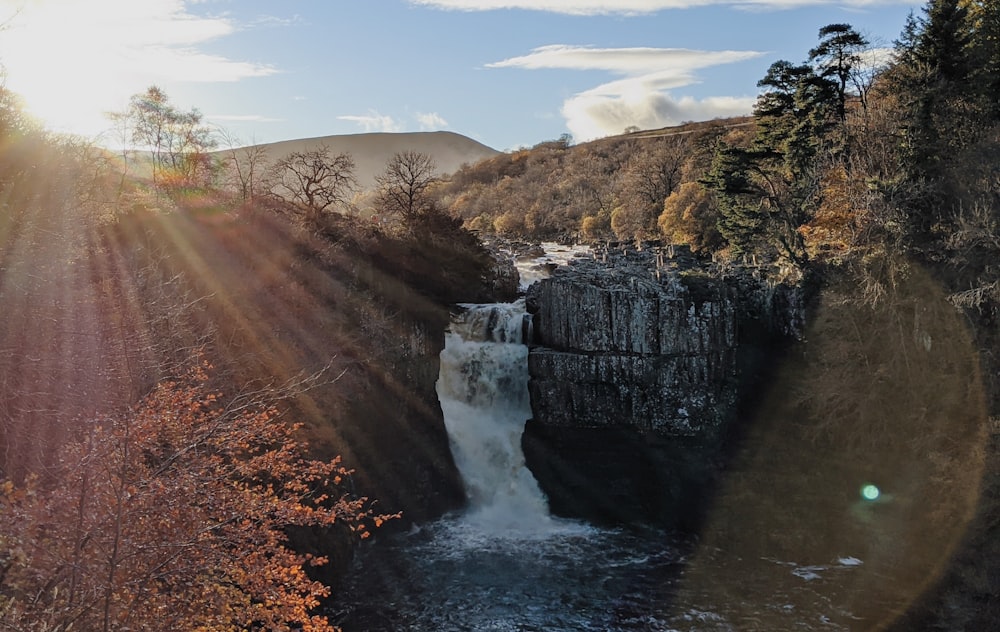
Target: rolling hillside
{"x": 371, "y": 151}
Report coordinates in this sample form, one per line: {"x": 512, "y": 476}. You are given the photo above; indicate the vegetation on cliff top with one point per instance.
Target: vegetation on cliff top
{"x": 850, "y": 150}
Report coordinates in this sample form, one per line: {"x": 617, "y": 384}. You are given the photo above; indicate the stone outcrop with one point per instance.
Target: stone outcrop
{"x": 502, "y": 280}
{"x": 632, "y": 346}
{"x": 639, "y": 364}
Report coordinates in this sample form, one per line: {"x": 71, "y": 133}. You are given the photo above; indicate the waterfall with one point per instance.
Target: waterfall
{"x": 505, "y": 564}
{"x": 483, "y": 390}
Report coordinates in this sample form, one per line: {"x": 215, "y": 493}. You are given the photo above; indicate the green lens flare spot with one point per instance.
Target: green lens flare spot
{"x": 870, "y": 492}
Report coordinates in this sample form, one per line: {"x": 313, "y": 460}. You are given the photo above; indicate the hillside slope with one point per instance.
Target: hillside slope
{"x": 371, "y": 151}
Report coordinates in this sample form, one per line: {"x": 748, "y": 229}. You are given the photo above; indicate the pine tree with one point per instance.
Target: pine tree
{"x": 934, "y": 80}
{"x": 742, "y": 215}
{"x": 984, "y": 18}
{"x": 768, "y": 191}
{"x": 836, "y": 56}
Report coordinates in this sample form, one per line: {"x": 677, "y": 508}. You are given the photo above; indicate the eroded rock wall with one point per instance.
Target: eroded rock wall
{"x": 617, "y": 346}
{"x": 640, "y": 363}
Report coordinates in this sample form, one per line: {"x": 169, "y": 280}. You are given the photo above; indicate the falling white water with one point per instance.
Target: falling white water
{"x": 505, "y": 564}
{"x": 483, "y": 389}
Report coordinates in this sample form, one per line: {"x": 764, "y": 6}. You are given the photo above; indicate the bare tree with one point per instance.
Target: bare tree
{"x": 647, "y": 179}
{"x": 245, "y": 165}
{"x": 314, "y": 181}
{"x": 402, "y": 187}
{"x": 872, "y": 61}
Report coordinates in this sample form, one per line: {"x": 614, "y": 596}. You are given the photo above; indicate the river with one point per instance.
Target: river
{"x": 506, "y": 564}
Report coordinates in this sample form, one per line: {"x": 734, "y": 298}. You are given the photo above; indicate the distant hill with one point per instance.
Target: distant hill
{"x": 371, "y": 151}
{"x": 678, "y": 130}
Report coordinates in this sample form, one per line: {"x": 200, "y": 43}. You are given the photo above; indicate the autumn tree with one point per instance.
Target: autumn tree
{"x": 172, "y": 516}
{"x": 23, "y": 145}
{"x": 179, "y": 142}
{"x": 13, "y": 120}
{"x": 402, "y": 186}
{"x": 590, "y": 179}
{"x": 594, "y": 227}
{"x": 690, "y": 216}
{"x": 315, "y": 181}
{"x": 648, "y": 178}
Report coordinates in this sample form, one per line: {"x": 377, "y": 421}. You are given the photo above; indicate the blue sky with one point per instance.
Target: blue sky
{"x": 507, "y": 73}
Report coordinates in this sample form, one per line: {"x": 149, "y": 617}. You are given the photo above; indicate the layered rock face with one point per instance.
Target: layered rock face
{"x": 635, "y": 375}
{"x": 619, "y": 347}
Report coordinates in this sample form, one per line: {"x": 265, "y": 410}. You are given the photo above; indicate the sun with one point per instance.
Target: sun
{"x": 72, "y": 61}
{"x": 62, "y": 66}
{"x": 61, "y": 103}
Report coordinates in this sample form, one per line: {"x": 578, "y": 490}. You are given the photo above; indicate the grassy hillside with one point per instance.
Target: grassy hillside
{"x": 449, "y": 150}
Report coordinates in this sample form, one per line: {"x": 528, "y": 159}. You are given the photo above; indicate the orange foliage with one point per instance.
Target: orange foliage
{"x": 593, "y": 227}
{"x": 689, "y": 217}
{"x": 831, "y": 228}
{"x": 172, "y": 517}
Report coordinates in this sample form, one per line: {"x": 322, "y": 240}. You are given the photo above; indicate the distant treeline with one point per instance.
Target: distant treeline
{"x": 853, "y": 147}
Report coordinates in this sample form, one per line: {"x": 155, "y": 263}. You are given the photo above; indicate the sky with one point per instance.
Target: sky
{"x": 507, "y": 73}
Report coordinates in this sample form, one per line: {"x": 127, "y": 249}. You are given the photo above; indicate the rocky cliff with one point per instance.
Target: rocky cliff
{"x": 618, "y": 346}
{"x": 635, "y": 378}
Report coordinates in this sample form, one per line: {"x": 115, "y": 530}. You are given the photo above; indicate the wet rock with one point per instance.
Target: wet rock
{"x": 503, "y": 280}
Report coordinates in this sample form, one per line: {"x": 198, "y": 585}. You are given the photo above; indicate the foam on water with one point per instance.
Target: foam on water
{"x": 535, "y": 267}
{"x": 483, "y": 390}
{"x": 504, "y": 563}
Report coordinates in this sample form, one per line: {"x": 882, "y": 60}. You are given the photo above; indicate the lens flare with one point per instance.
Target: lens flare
{"x": 870, "y": 492}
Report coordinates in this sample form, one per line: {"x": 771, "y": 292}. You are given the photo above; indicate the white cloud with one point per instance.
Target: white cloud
{"x": 638, "y": 7}
{"x": 373, "y": 121}
{"x": 666, "y": 67}
{"x": 640, "y": 97}
{"x": 72, "y": 61}
{"x": 126, "y": 33}
{"x": 173, "y": 64}
{"x": 430, "y": 121}
{"x": 877, "y": 58}
{"x": 275, "y": 21}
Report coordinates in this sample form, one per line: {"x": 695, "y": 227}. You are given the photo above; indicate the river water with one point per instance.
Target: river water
{"x": 506, "y": 564}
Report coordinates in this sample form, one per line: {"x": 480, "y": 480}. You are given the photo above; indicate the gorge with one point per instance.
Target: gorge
{"x": 505, "y": 562}
{"x": 697, "y": 453}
